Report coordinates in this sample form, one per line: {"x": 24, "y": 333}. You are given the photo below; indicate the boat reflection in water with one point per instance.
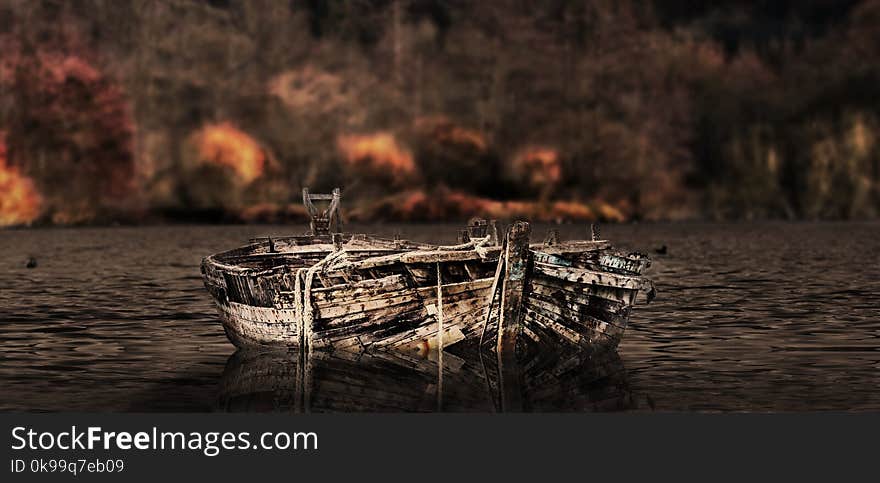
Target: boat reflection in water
{"x": 287, "y": 381}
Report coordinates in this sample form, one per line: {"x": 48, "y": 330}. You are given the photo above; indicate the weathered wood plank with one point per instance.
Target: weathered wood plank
{"x": 550, "y": 325}
{"x": 581, "y": 304}
{"x": 575, "y": 321}
{"x": 610, "y": 296}
{"x": 378, "y": 302}
{"x": 571, "y": 247}
{"x": 630, "y": 264}
{"x": 371, "y": 330}
{"x": 361, "y": 286}
{"x": 373, "y": 315}
{"x": 516, "y": 265}
{"x": 585, "y": 276}
{"x": 549, "y": 259}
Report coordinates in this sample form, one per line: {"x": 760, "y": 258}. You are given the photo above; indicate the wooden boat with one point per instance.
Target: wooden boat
{"x": 330, "y": 290}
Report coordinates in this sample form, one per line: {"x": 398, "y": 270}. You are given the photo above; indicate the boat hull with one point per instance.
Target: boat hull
{"x": 395, "y": 317}
{"x": 555, "y": 312}
{"x": 248, "y": 326}
{"x": 363, "y": 296}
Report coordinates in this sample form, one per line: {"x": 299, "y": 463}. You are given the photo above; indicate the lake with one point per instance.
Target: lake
{"x": 748, "y": 317}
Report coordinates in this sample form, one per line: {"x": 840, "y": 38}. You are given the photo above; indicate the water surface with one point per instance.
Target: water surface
{"x": 749, "y": 317}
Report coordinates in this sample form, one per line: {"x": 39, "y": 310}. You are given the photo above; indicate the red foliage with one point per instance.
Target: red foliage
{"x": 71, "y": 129}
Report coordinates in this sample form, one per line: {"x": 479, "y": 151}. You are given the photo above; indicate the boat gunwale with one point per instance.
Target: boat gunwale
{"x": 422, "y": 253}
{"x": 325, "y": 248}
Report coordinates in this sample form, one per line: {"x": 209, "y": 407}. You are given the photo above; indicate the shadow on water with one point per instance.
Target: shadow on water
{"x": 280, "y": 381}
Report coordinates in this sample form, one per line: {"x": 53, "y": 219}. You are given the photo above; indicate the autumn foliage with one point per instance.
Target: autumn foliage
{"x": 557, "y": 111}
{"x": 225, "y": 145}
{"x": 378, "y": 155}
{"x": 20, "y": 202}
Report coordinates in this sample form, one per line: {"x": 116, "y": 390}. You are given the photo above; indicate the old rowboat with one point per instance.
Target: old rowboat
{"x": 329, "y": 290}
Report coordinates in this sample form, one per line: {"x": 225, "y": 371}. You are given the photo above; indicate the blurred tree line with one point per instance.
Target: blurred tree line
{"x": 665, "y": 109}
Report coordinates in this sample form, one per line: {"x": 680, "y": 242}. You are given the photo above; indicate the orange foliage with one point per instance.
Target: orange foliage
{"x": 60, "y": 67}
{"x": 226, "y": 145}
{"x": 574, "y": 211}
{"x": 377, "y": 153}
{"x": 539, "y": 166}
{"x": 442, "y": 130}
{"x": 73, "y": 214}
{"x": 419, "y": 205}
{"x": 71, "y": 128}
{"x": 19, "y": 200}
{"x": 610, "y": 212}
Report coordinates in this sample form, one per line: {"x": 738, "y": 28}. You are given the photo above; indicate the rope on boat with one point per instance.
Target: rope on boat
{"x": 298, "y": 302}
{"x": 475, "y": 243}
{"x": 306, "y": 310}
{"x": 304, "y": 364}
{"x": 439, "y": 339}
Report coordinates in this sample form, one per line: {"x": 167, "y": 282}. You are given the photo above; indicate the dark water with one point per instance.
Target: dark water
{"x": 757, "y": 317}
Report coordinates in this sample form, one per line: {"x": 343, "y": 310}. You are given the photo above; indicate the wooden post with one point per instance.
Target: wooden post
{"x": 493, "y": 233}
{"x": 333, "y": 210}
{"x": 552, "y": 238}
{"x": 510, "y": 315}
